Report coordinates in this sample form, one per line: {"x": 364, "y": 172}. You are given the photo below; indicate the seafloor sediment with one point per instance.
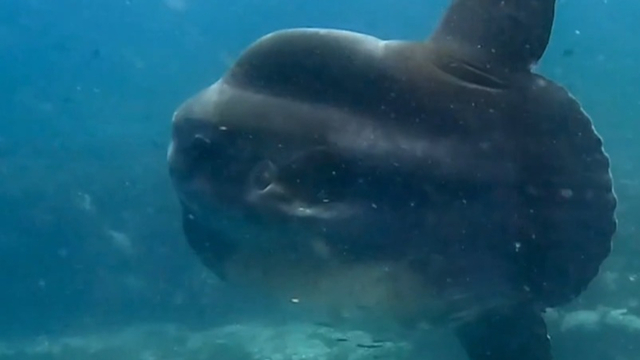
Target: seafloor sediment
{"x": 602, "y": 334}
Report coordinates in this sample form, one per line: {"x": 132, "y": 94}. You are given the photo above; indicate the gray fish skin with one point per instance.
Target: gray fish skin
{"x": 439, "y": 181}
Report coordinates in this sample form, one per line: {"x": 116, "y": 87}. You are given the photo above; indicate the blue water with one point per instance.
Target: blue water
{"x": 89, "y": 226}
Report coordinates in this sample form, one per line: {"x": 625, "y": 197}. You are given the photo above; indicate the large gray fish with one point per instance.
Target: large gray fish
{"x": 441, "y": 181}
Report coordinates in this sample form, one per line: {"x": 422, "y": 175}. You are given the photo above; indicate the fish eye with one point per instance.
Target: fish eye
{"x": 199, "y": 145}
{"x": 318, "y": 176}
{"x": 263, "y": 175}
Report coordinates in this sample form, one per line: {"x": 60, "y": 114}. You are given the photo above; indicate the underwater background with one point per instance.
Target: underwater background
{"x": 93, "y": 263}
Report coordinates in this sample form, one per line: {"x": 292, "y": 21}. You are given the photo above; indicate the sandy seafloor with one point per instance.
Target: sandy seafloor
{"x": 603, "y": 334}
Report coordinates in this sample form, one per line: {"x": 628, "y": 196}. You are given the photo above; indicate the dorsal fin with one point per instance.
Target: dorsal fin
{"x": 508, "y": 34}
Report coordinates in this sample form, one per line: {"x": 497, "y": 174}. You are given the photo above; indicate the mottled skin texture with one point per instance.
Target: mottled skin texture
{"x": 438, "y": 181}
